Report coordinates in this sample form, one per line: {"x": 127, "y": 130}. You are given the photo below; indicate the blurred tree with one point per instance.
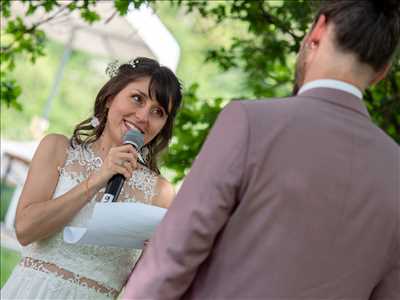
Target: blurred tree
{"x": 18, "y": 38}
{"x": 266, "y": 55}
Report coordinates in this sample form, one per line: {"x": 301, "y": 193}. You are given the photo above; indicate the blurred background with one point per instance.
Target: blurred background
{"x": 54, "y": 53}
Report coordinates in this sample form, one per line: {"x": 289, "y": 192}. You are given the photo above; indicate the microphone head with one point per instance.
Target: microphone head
{"x": 135, "y": 138}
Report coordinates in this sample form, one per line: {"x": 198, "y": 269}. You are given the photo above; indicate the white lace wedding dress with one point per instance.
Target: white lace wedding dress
{"x": 52, "y": 269}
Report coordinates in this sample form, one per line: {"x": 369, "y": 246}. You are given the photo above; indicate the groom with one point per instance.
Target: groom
{"x": 294, "y": 198}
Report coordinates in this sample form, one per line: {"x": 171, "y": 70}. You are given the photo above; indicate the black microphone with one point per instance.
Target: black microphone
{"x": 114, "y": 185}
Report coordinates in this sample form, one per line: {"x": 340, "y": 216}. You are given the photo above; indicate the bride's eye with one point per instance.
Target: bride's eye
{"x": 158, "y": 112}
{"x": 137, "y": 99}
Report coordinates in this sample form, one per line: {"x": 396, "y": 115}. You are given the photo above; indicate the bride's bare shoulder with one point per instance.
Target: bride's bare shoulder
{"x": 165, "y": 193}
{"x": 52, "y": 147}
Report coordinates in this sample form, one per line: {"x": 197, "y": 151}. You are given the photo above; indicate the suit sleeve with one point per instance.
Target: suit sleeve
{"x": 200, "y": 210}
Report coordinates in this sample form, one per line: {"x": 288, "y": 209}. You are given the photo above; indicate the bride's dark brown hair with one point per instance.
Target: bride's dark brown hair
{"x": 164, "y": 86}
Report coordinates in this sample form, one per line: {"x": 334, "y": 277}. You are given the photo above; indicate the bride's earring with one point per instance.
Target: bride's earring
{"x": 94, "y": 122}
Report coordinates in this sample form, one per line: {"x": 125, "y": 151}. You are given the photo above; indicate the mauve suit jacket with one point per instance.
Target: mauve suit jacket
{"x": 294, "y": 198}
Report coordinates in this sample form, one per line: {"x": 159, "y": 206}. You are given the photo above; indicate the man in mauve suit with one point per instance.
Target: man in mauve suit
{"x": 294, "y": 198}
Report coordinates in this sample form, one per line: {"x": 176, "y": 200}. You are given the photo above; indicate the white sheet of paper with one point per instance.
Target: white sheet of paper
{"x": 125, "y": 225}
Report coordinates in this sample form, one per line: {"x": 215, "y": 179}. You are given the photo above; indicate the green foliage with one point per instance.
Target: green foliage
{"x": 121, "y": 6}
{"x": 9, "y": 89}
{"x": 18, "y": 38}
{"x": 89, "y": 16}
{"x": 383, "y": 103}
{"x": 8, "y": 258}
{"x": 191, "y": 128}
{"x": 73, "y": 102}
{"x": 6, "y": 192}
{"x": 266, "y": 53}
{"x": 5, "y": 8}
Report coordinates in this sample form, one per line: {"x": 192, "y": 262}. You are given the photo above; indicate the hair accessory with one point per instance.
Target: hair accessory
{"x": 113, "y": 67}
{"x": 133, "y": 62}
{"x": 94, "y": 122}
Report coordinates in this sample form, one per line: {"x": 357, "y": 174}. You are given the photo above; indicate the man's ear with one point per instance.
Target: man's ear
{"x": 381, "y": 74}
{"x": 317, "y": 32}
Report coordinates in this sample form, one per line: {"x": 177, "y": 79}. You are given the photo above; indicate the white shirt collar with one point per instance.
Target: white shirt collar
{"x": 331, "y": 83}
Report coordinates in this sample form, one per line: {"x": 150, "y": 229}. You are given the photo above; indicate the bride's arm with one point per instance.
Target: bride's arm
{"x": 38, "y": 215}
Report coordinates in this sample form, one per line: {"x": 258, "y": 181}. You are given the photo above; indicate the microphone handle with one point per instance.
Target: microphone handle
{"x": 113, "y": 188}
{"x": 114, "y": 185}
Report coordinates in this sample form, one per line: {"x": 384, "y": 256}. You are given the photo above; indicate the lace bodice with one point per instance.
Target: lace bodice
{"x": 109, "y": 266}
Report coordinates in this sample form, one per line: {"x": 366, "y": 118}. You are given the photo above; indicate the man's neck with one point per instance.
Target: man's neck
{"x": 357, "y": 83}
{"x": 331, "y": 83}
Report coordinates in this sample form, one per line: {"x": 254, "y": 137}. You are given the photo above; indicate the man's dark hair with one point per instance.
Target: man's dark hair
{"x": 368, "y": 28}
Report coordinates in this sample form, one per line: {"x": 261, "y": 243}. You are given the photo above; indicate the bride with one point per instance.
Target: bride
{"x": 68, "y": 176}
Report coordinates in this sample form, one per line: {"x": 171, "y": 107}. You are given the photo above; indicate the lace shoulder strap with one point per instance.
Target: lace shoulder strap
{"x": 80, "y": 162}
{"x": 143, "y": 183}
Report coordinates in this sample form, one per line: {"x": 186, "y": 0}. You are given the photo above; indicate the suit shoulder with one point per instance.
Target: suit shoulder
{"x": 268, "y": 103}
{"x": 386, "y": 140}
{"x": 233, "y": 111}
{"x": 269, "y": 108}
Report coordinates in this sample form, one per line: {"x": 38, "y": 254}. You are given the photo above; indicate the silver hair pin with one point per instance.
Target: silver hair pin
{"x": 113, "y": 67}
{"x": 133, "y": 62}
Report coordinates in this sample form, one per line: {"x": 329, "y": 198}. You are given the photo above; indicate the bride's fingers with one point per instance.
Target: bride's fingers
{"x": 133, "y": 165}
{"x": 129, "y": 167}
{"x": 125, "y": 149}
{"x": 128, "y": 163}
{"x": 123, "y": 160}
{"x": 131, "y": 157}
{"x": 123, "y": 170}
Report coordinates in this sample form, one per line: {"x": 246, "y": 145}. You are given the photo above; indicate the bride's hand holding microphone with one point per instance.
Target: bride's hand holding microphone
{"x": 119, "y": 160}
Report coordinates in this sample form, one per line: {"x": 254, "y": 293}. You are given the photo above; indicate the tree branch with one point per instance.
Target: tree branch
{"x": 278, "y": 23}
{"x": 32, "y": 28}
{"x": 35, "y": 25}
{"x": 111, "y": 17}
